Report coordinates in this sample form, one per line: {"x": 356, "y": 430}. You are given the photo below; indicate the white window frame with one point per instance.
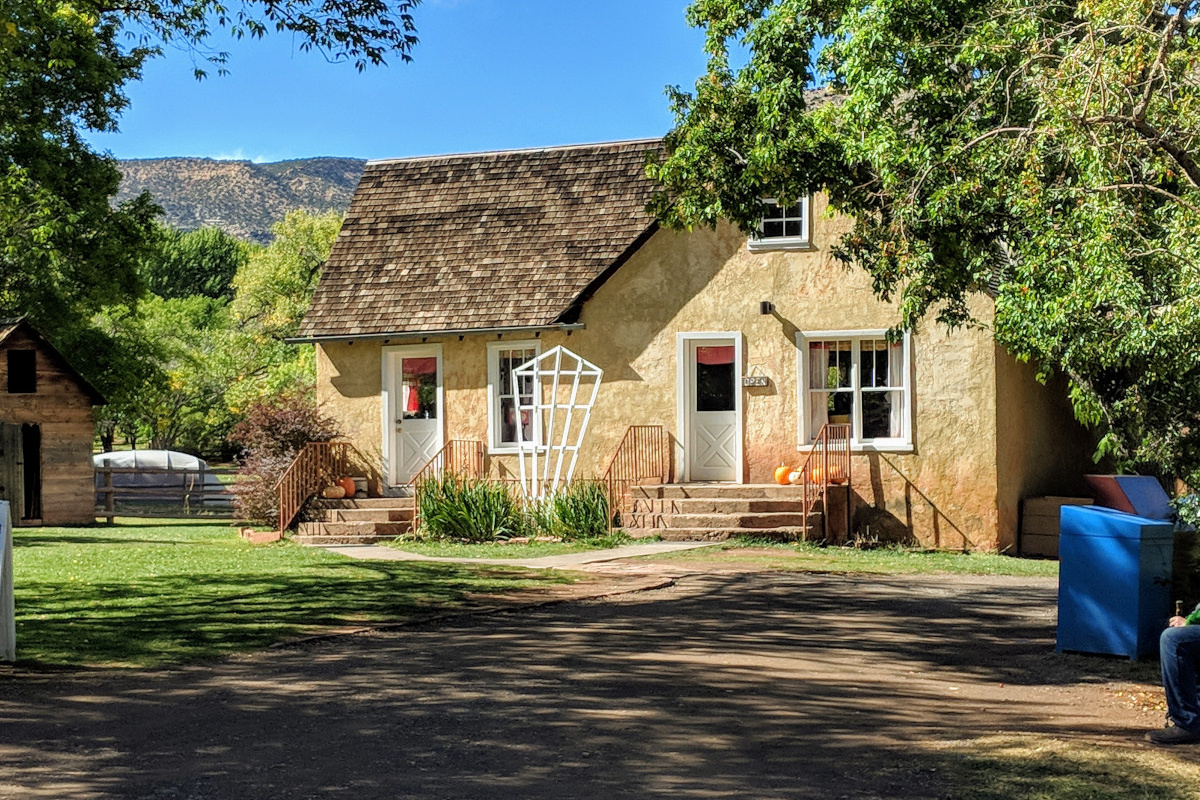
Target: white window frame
{"x": 760, "y": 242}
{"x": 895, "y": 444}
{"x": 495, "y": 446}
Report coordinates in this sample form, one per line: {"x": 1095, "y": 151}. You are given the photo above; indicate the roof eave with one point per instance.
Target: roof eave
{"x": 388, "y": 336}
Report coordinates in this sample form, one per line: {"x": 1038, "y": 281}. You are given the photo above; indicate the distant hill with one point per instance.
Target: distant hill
{"x": 240, "y": 197}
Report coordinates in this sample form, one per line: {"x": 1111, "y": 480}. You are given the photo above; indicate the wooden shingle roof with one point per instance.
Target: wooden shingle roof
{"x": 482, "y": 241}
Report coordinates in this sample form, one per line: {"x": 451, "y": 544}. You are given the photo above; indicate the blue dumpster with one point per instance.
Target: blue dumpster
{"x": 1114, "y": 581}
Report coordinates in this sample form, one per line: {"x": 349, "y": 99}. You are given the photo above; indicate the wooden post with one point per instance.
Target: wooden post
{"x": 109, "y": 504}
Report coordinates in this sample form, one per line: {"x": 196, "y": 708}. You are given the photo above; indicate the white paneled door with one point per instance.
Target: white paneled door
{"x": 711, "y": 408}
{"x": 413, "y": 412}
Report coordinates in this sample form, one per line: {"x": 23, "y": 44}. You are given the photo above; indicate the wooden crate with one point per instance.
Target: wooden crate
{"x": 1039, "y": 523}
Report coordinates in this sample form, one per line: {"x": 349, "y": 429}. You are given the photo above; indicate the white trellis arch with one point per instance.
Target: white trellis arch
{"x": 563, "y": 388}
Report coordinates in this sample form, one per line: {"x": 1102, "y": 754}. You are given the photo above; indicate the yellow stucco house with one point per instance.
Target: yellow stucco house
{"x": 452, "y": 270}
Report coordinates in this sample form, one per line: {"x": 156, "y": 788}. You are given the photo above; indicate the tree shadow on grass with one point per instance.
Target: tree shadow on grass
{"x": 178, "y": 618}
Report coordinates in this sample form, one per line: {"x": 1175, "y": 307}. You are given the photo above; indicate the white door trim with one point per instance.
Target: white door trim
{"x": 683, "y": 380}
{"x": 389, "y": 401}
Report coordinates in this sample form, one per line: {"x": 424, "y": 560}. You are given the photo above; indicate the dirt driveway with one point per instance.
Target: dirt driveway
{"x": 723, "y": 685}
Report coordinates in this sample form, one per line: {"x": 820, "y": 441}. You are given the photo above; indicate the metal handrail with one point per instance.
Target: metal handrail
{"x": 462, "y": 457}
{"x": 318, "y": 464}
{"x": 831, "y": 448}
{"x": 642, "y": 454}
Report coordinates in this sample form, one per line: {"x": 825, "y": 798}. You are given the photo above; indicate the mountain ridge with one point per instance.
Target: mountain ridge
{"x": 242, "y": 197}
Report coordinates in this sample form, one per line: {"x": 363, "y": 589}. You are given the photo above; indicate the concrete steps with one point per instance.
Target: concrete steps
{"x": 357, "y": 521}
{"x": 715, "y": 511}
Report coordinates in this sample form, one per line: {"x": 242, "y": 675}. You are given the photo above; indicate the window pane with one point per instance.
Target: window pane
{"x": 22, "y": 371}
{"x": 419, "y": 388}
{"x": 772, "y": 227}
{"x": 714, "y": 379}
{"x": 793, "y": 228}
{"x": 882, "y": 415}
{"x": 836, "y": 408}
{"x": 793, "y": 211}
{"x": 829, "y": 365}
{"x": 508, "y": 420}
{"x": 506, "y": 368}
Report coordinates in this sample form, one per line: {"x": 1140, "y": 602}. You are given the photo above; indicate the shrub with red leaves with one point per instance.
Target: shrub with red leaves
{"x": 271, "y": 434}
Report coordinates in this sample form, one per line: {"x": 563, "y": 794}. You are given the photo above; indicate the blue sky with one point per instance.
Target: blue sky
{"x": 488, "y": 74}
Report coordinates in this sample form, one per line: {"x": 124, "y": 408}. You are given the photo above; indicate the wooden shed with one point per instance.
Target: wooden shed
{"x": 46, "y": 431}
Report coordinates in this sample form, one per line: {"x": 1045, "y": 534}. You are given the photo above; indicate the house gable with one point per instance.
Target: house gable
{"x": 18, "y": 334}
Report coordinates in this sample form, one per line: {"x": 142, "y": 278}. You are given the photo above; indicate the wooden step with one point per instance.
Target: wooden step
{"x": 735, "y": 521}
{"x": 320, "y": 539}
{"x": 716, "y": 505}
{"x": 368, "y": 515}
{"x": 349, "y": 532}
{"x": 723, "y": 491}
{"x": 785, "y": 534}
{"x": 365, "y": 502}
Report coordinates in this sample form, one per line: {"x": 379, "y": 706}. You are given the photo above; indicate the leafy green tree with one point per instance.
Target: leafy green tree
{"x": 1038, "y": 152}
{"x": 273, "y": 290}
{"x": 199, "y": 262}
{"x": 182, "y": 371}
{"x": 64, "y": 252}
{"x": 170, "y": 368}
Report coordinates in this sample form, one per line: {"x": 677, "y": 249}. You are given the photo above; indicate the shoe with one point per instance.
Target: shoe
{"x": 1173, "y": 734}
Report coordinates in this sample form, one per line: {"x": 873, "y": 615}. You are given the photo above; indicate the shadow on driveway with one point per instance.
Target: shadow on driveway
{"x": 753, "y": 685}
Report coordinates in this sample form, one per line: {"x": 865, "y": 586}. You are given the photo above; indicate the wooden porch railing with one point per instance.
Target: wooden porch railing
{"x": 316, "y": 466}
{"x": 463, "y": 457}
{"x": 828, "y": 462}
{"x": 644, "y": 454}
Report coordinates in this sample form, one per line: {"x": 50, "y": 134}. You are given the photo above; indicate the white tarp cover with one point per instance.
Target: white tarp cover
{"x": 8, "y": 619}
{"x": 194, "y": 479}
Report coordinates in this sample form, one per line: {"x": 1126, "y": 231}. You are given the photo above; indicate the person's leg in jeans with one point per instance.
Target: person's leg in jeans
{"x": 1179, "y": 651}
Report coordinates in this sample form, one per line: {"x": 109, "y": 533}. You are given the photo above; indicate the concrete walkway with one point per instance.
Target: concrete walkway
{"x": 567, "y": 561}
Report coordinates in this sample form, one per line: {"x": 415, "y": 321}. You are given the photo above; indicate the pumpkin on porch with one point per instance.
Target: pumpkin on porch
{"x": 837, "y": 475}
{"x": 781, "y": 474}
{"x": 334, "y": 492}
{"x": 348, "y": 485}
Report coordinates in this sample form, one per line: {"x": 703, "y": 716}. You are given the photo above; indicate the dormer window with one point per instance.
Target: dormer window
{"x": 783, "y": 227}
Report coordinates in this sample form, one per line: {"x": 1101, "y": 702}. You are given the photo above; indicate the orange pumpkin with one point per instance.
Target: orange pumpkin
{"x": 781, "y": 474}
{"x": 815, "y": 474}
{"x": 837, "y": 475}
{"x": 348, "y": 485}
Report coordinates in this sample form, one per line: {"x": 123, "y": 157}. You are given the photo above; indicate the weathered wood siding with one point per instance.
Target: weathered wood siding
{"x": 63, "y": 410}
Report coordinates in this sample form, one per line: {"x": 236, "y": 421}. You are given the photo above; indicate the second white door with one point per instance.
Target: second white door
{"x": 711, "y": 406}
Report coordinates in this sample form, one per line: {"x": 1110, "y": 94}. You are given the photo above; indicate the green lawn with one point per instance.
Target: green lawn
{"x": 761, "y": 554}
{"x": 151, "y": 592}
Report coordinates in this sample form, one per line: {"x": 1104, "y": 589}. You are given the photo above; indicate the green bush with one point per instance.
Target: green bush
{"x": 470, "y": 510}
{"x": 454, "y": 507}
{"x": 578, "y": 512}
